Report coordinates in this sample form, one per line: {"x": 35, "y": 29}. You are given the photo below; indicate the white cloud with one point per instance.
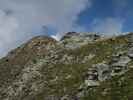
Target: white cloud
{"x": 8, "y": 32}
{"x": 107, "y": 25}
{"x": 20, "y": 18}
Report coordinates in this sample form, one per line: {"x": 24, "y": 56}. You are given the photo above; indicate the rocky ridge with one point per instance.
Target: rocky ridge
{"x": 81, "y": 66}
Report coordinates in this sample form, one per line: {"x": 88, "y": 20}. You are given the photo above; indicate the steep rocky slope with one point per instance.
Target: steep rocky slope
{"x": 81, "y": 66}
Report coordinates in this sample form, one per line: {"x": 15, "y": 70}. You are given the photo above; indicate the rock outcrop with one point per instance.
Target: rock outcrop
{"x": 81, "y": 66}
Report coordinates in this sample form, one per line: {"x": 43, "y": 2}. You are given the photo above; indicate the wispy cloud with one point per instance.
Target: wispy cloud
{"x": 120, "y": 3}
{"x": 107, "y": 25}
{"x": 20, "y": 19}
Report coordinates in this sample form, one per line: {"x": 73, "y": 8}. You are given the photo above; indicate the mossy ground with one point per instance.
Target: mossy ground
{"x": 103, "y": 50}
{"x": 65, "y": 79}
{"x": 118, "y": 88}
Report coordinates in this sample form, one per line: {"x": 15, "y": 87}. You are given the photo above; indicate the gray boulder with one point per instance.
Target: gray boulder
{"x": 103, "y": 71}
{"x": 130, "y": 53}
{"x": 120, "y": 66}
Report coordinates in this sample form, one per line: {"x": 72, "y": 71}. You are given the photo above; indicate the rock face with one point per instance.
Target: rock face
{"x": 81, "y": 66}
{"x": 74, "y": 40}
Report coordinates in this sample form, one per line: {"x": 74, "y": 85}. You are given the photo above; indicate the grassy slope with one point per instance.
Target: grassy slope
{"x": 118, "y": 88}
{"x": 65, "y": 85}
{"x": 103, "y": 50}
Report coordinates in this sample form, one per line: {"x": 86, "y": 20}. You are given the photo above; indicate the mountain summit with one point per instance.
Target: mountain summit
{"x": 81, "y": 66}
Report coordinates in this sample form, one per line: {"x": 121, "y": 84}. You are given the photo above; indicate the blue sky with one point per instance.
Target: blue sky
{"x": 20, "y": 20}
{"x": 121, "y": 10}
{"x": 99, "y": 9}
